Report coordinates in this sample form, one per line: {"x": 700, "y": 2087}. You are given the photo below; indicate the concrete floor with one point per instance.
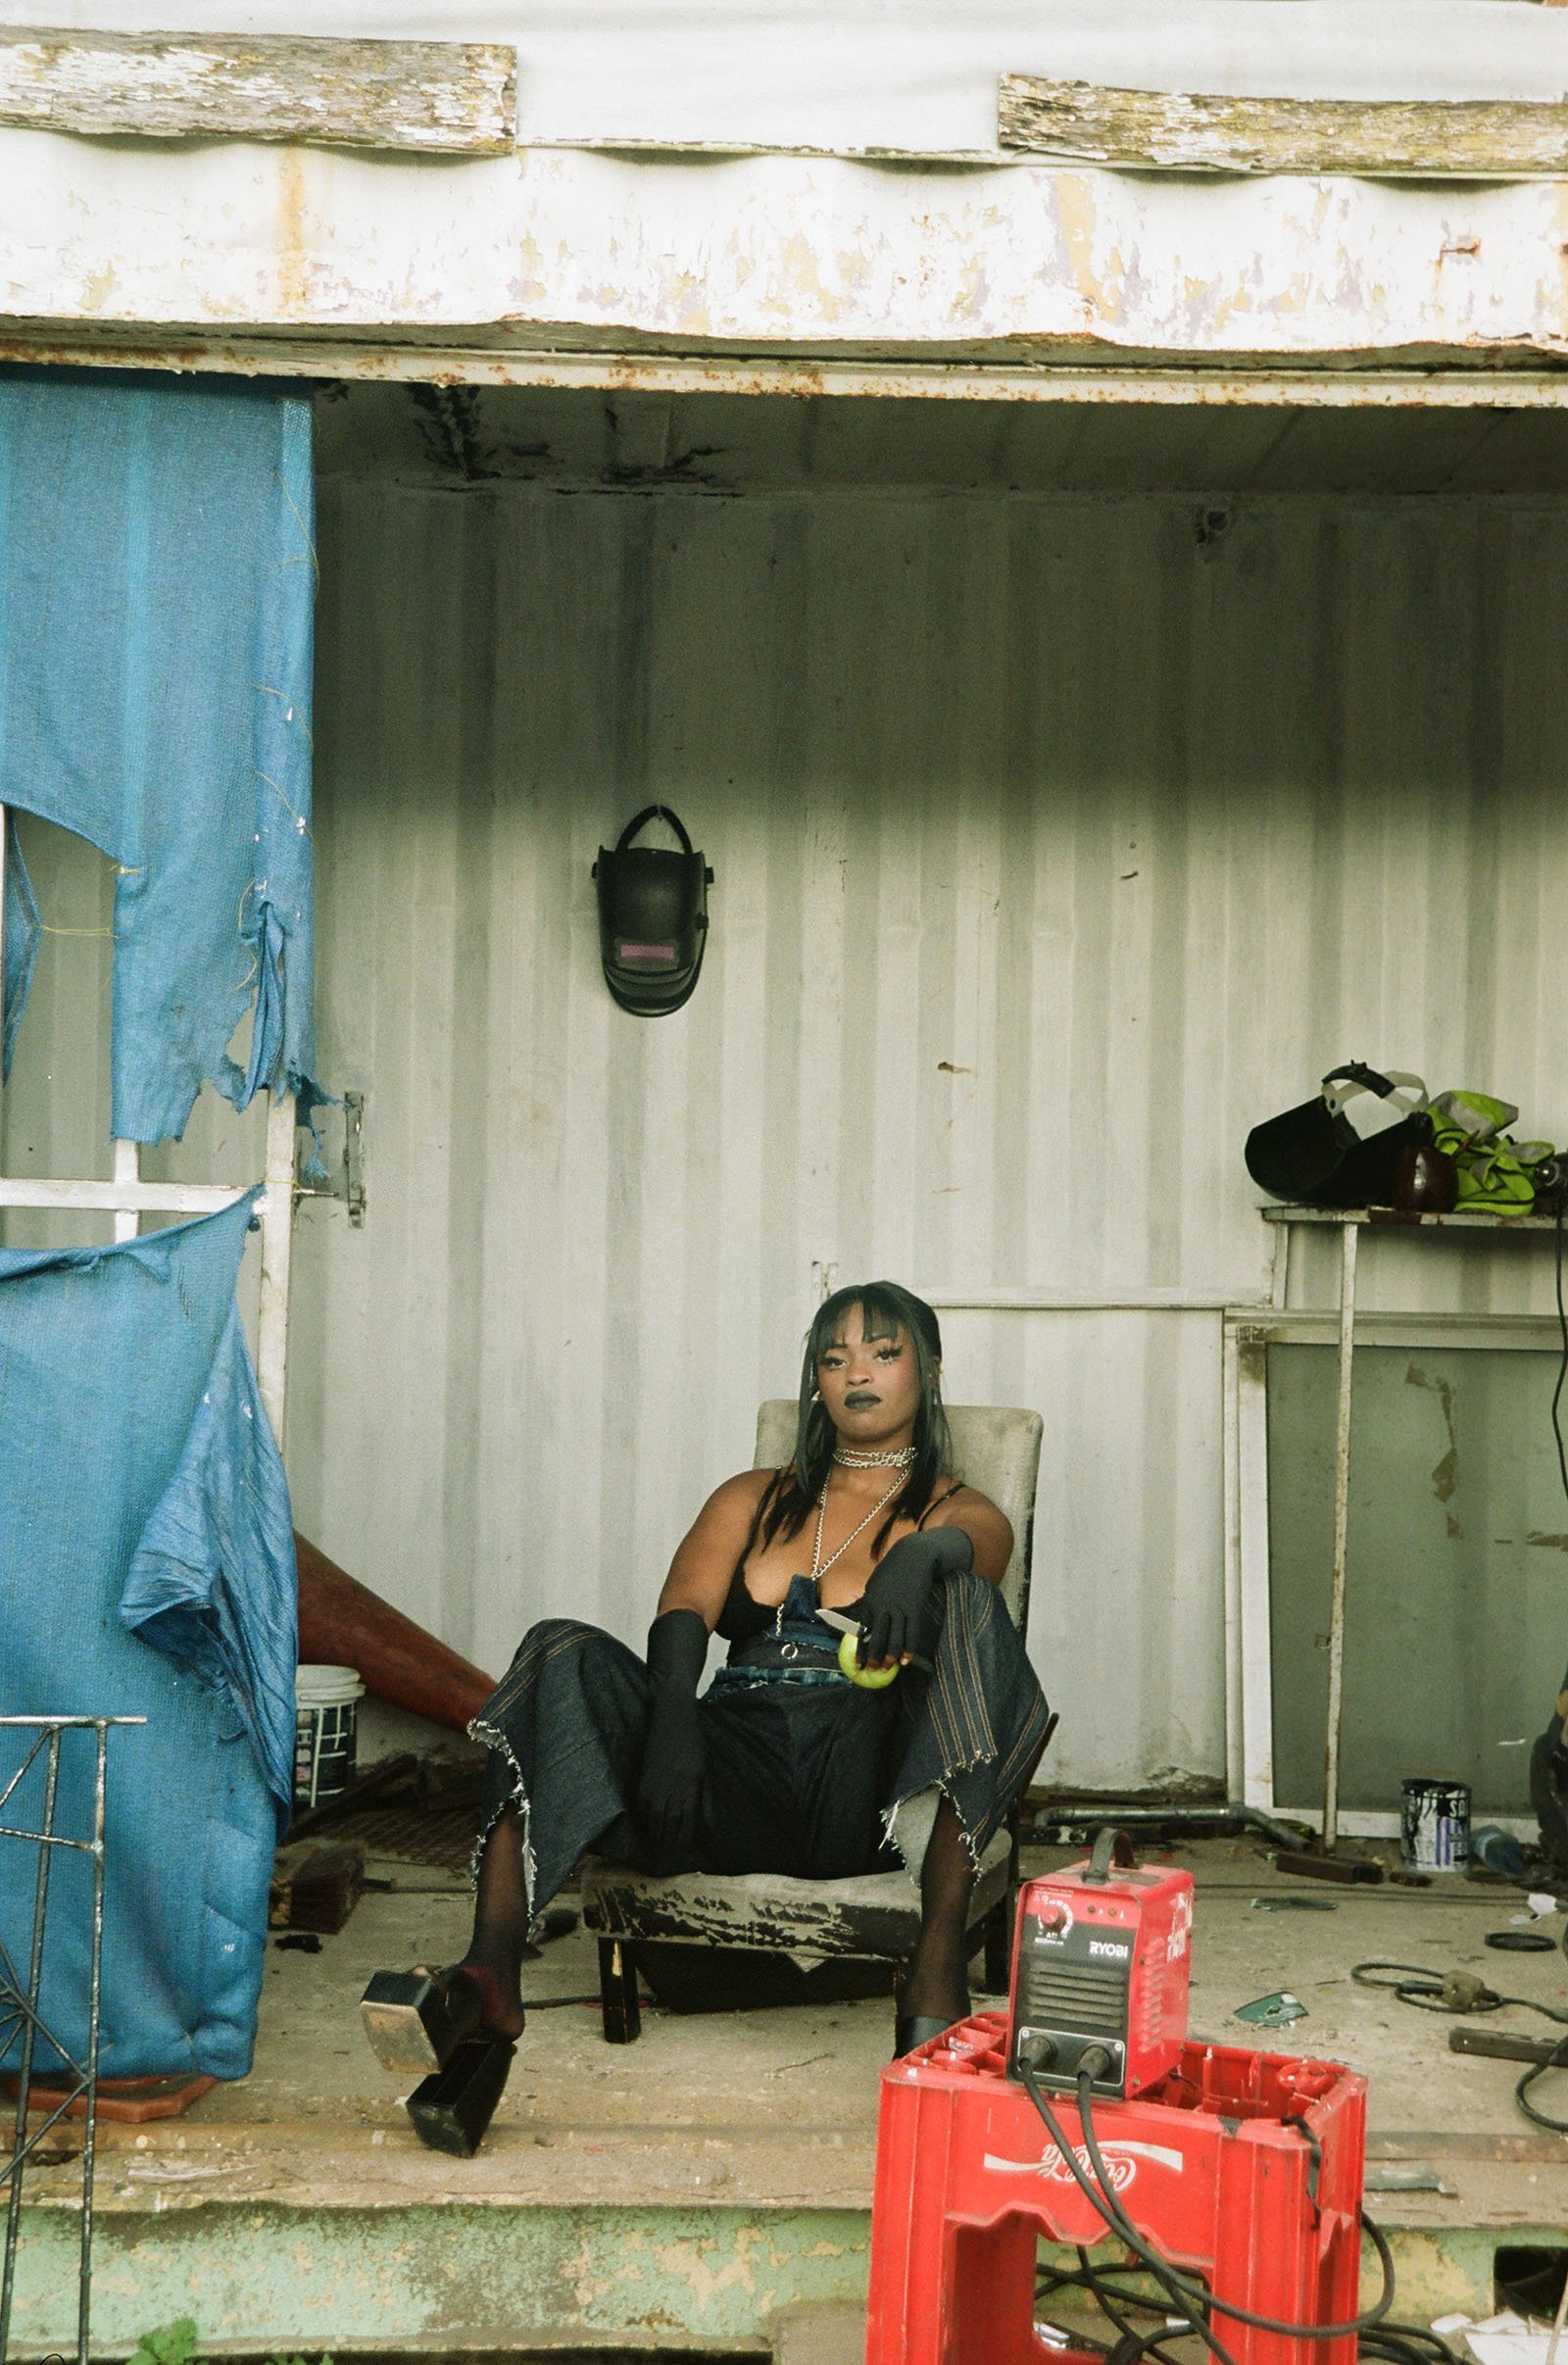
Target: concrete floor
{"x": 779, "y": 2107}
{"x": 765, "y": 2122}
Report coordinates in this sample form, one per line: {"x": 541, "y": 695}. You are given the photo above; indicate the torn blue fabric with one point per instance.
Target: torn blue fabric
{"x": 157, "y": 587}
{"x": 147, "y": 1569}
{"x": 213, "y": 1583}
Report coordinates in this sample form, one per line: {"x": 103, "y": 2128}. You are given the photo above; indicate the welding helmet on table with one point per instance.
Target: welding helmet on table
{"x": 1339, "y": 1149}
{"x": 652, "y": 917}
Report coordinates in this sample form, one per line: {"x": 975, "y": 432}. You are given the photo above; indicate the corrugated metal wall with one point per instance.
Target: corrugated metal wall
{"x": 1056, "y": 840}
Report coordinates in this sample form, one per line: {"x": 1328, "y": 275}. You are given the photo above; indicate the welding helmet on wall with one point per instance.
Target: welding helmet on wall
{"x": 652, "y": 917}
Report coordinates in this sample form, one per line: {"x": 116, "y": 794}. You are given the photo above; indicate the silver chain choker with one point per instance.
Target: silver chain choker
{"x": 849, "y": 1458}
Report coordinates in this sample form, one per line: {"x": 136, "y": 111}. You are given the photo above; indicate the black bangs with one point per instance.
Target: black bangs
{"x": 887, "y": 1309}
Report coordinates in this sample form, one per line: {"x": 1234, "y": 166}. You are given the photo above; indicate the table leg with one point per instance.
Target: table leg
{"x": 1349, "y": 1235}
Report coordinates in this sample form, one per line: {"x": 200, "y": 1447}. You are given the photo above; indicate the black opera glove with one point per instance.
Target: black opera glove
{"x": 893, "y": 1608}
{"x": 674, "y": 1769}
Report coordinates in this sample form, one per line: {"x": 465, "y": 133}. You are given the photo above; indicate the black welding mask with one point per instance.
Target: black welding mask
{"x": 652, "y": 917}
{"x": 1340, "y": 1149}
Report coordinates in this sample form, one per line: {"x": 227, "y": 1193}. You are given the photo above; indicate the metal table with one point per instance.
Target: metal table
{"x": 1350, "y": 1222}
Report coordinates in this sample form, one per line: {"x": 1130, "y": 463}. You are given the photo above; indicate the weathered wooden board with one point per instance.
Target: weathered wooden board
{"x": 1182, "y": 130}
{"x": 446, "y": 98}
{"x": 878, "y": 1914}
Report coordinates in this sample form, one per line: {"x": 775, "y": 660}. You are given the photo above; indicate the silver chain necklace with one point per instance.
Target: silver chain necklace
{"x": 850, "y": 1457}
{"x": 819, "y": 1566}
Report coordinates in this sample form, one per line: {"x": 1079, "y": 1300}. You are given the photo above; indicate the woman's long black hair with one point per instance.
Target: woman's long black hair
{"x": 886, "y": 1309}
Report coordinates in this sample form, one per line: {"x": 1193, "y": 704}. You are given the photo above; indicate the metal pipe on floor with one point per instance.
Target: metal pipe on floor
{"x": 1172, "y": 1818}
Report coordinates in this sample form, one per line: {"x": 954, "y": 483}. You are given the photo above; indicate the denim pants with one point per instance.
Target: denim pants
{"x": 818, "y": 1778}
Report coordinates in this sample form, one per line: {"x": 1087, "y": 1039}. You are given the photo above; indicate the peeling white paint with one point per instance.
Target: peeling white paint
{"x": 553, "y": 246}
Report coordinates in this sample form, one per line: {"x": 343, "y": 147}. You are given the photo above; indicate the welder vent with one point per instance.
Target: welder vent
{"x": 1087, "y": 1998}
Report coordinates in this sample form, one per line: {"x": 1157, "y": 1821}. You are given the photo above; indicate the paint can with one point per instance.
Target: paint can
{"x": 325, "y": 1732}
{"x": 1434, "y": 1824}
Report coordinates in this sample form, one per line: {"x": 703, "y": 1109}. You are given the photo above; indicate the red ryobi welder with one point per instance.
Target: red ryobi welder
{"x": 1101, "y": 1967}
{"x": 1230, "y": 2178}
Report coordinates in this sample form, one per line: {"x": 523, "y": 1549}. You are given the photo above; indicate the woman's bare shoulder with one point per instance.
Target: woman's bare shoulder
{"x": 744, "y": 1490}
{"x": 987, "y": 1528}
{"x": 704, "y": 1559}
{"x": 952, "y": 1497}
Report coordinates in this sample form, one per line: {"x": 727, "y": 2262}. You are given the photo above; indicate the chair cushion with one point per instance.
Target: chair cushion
{"x": 878, "y": 1914}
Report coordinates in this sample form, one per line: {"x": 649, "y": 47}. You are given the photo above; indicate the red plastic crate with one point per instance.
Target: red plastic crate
{"x": 1208, "y": 2164}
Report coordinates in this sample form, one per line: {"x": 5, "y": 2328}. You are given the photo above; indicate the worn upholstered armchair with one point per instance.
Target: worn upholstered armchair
{"x": 874, "y": 1919}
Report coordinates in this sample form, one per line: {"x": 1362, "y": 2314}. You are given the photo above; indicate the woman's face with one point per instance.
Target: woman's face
{"x": 870, "y": 1387}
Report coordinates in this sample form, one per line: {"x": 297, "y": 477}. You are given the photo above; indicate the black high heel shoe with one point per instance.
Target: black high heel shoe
{"x": 408, "y": 2020}
{"x": 452, "y": 2109}
{"x": 406, "y": 2015}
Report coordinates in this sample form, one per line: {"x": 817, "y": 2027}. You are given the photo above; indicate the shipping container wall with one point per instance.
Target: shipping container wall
{"x": 1056, "y": 841}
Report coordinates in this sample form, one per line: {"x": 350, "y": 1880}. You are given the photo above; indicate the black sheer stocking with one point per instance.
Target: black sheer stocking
{"x": 935, "y": 1982}
{"x": 486, "y": 1979}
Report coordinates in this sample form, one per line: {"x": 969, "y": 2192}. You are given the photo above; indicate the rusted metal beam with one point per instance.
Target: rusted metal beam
{"x": 1193, "y": 131}
{"x": 1351, "y": 386}
{"x": 446, "y": 98}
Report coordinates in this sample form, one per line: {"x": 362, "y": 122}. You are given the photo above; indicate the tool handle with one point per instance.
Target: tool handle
{"x": 1111, "y": 1847}
{"x": 1496, "y": 2045}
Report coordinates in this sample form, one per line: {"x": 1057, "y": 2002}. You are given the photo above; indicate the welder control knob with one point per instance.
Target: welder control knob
{"x": 1052, "y": 1917}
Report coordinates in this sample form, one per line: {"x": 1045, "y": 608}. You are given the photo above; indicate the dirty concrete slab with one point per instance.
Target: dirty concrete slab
{"x": 694, "y": 2189}
{"x": 777, "y": 2109}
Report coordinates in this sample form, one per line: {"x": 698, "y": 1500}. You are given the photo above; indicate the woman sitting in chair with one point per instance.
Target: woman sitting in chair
{"x": 782, "y": 1765}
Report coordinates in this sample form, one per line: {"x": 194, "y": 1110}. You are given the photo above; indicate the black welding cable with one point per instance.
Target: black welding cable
{"x": 1391, "y": 2342}
{"x": 1365, "y": 2322}
{"x": 1185, "y": 2295}
{"x": 1102, "y": 2201}
{"x": 1426, "y": 1989}
{"x": 1429, "y": 1991}
{"x": 1407, "y": 2345}
{"x": 1133, "y": 2345}
{"x": 1557, "y": 2060}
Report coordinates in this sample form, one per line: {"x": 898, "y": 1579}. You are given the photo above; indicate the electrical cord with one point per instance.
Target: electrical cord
{"x": 1390, "y": 2343}
{"x": 1460, "y": 1994}
{"x": 1557, "y": 2058}
{"x": 1452, "y": 1991}
{"x": 1189, "y": 2299}
{"x": 1103, "y": 2202}
{"x": 1557, "y": 2330}
{"x": 1364, "y": 2322}
{"x": 1132, "y": 2345}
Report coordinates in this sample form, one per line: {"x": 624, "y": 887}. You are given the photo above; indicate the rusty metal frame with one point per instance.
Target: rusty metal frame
{"x": 20, "y": 1993}
{"x": 492, "y": 358}
{"x": 1249, "y": 1333}
{"x": 127, "y": 1198}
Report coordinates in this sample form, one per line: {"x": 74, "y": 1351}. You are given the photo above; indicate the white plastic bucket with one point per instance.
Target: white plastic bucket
{"x": 325, "y": 1732}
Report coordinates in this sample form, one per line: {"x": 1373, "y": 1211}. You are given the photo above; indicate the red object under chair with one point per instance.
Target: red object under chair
{"x": 1207, "y": 2164}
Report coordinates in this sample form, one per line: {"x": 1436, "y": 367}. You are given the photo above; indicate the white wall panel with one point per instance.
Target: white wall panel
{"x": 1056, "y": 839}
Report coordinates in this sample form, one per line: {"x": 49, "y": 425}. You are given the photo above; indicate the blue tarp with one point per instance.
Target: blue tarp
{"x": 147, "y": 1568}
{"x": 157, "y": 583}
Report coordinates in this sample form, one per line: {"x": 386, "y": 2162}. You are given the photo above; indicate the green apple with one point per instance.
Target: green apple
{"x": 873, "y": 1679}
